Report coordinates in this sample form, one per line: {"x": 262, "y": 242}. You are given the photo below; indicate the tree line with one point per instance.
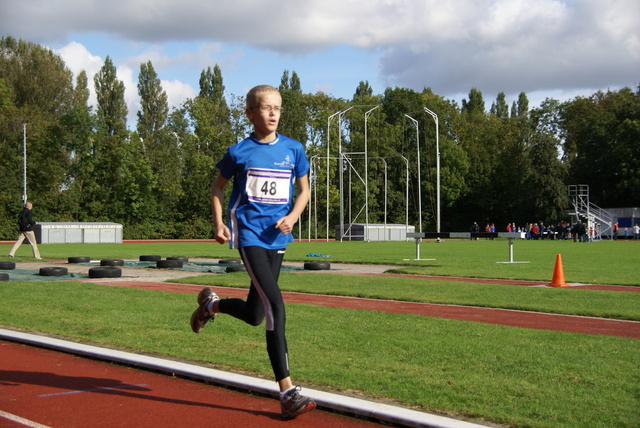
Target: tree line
{"x": 498, "y": 165}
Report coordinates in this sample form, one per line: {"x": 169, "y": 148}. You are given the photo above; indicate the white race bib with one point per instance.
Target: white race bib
{"x": 268, "y": 186}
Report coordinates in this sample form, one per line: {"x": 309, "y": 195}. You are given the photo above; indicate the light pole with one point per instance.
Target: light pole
{"x": 24, "y": 162}
{"x": 415, "y": 122}
{"x": 366, "y": 169}
{"x": 435, "y": 118}
{"x": 341, "y": 169}
{"x": 328, "y": 157}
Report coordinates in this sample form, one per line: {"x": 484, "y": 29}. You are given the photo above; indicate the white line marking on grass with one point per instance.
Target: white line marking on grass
{"x": 22, "y": 421}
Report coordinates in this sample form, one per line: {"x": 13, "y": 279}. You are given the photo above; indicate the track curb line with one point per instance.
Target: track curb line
{"x": 339, "y": 403}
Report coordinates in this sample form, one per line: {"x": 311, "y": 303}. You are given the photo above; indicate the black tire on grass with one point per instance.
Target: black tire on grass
{"x": 105, "y": 272}
{"x": 4, "y": 277}
{"x": 112, "y": 262}
{"x": 179, "y": 258}
{"x": 7, "y": 265}
{"x": 317, "y": 265}
{"x": 79, "y": 259}
{"x": 169, "y": 263}
{"x": 150, "y": 258}
{"x": 230, "y": 262}
{"x": 230, "y": 269}
{"x": 54, "y": 271}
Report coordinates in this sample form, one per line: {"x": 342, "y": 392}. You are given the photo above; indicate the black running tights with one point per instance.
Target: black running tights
{"x": 263, "y": 302}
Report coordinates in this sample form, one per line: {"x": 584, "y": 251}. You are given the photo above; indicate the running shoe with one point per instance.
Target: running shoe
{"x": 201, "y": 316}
{"x": 293, "y": 404}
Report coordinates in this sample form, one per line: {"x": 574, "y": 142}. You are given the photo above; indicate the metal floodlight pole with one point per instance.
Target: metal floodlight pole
{"x": 415, "y": 122}
{"x": 341, "y": 169}
{"x": 366, "y": 169}
{"x": 435, "y": 118}
{"x": 24, "y": 161}
{"x": 328, "y": 157}
{"x": 406, "y": 206}
{"x": 314, "y": 191}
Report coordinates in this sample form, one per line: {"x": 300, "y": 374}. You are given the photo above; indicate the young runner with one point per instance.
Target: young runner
{"x": 265, "y": 168}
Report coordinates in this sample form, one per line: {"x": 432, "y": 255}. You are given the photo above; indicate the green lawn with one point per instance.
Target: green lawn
{"x": 504, "y": 375}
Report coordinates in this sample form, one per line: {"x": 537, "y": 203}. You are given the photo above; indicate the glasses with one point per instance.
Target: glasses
{"x": 269, "y": 109}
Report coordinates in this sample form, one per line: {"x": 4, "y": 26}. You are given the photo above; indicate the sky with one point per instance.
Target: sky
{"x": 546, "y": 48}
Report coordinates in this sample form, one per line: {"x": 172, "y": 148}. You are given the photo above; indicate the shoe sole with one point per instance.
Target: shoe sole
{"x": 306, "y": 409}
{"x": 194, "y": 321}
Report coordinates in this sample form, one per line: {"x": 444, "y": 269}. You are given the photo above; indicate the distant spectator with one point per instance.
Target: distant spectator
{"x": 582, "y": 231}
{"x": 26, "y": 225}
{"x": 636, "y": 232}
{"x": 614, "y": 230}
{"x": 475, "y": 229}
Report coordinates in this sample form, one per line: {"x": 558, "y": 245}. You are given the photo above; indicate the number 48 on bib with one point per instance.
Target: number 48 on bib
{"x": 268, "y": 186}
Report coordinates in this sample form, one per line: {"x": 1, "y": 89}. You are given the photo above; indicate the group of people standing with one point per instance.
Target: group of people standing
{"x": 579, "y": 231}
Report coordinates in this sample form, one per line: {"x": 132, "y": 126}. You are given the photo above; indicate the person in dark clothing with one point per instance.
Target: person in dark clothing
{"x": 475, "y": 229}
{"x": 26, "y": 225}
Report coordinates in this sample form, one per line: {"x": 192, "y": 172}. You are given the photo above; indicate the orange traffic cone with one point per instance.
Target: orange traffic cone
{"x": 558, "y": 274}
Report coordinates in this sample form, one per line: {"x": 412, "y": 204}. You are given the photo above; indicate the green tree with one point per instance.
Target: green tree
{"x": 37, "y": 76}
{"x": 363, "y": 90}
{"x": 601, "y": 146}
{"x": 38, "y": 90}
{"x": 154, "y": 107}
{"x": 109, "y": 146}
{"x": 210, "y": 115}
{"x": 160, "y": 144}
{"x": 293, "y": 122}
{"x": 112, "y": 108}
{"x": 500, "y": 108}
{"x": 523, "y": 105}
{"x": 475, "y": 104}
{"x": 78, "y": 127}
{"x": 479, "y": 137}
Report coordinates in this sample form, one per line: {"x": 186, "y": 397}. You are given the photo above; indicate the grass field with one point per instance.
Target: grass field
{"x": 504, "y": 375}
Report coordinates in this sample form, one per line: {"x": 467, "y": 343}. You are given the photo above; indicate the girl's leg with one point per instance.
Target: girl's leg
{"x": 263, "y": 267}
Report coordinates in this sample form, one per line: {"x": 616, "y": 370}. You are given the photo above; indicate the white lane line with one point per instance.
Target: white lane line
{"x": 22, "y": 421}
{"x": 92, "y": 390}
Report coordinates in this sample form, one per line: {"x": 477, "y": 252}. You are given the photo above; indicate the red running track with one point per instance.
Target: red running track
{"x": 46, "y": 388}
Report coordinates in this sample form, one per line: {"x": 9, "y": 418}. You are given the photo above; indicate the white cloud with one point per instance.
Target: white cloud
{"x": 77, "y": 58}
{"x": 450, "y": 46}
{"x": 126, "y": 75}
{"x": 521, "y": 45}
{"x": 178, "y": 92}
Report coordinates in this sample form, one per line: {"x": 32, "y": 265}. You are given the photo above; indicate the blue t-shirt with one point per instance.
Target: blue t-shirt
{"x": 264, "y": 176}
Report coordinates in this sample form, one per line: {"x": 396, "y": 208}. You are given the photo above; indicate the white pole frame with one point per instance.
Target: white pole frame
{"x": 435, "y": 118}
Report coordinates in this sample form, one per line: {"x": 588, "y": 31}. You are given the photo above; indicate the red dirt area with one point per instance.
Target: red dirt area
{"x": 43, "y": 388}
